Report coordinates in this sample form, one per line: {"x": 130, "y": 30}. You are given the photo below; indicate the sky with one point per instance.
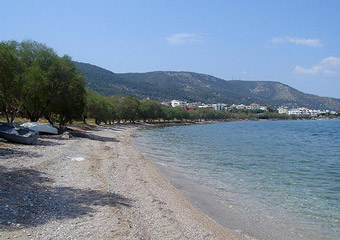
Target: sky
{"x": 296, "y": 42}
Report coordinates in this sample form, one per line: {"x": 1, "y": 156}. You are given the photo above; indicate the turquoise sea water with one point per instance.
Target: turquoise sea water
{"x": 289, "y": 169}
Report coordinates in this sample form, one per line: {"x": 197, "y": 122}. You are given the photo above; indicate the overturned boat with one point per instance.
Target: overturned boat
{"x": 41, "y": 127}
{"x": 18, "y": 134}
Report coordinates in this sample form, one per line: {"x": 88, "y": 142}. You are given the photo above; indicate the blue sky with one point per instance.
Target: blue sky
{"x": 296, "y": 42}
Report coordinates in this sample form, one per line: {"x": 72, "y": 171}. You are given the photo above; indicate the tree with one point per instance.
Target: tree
{"x": 128, "y": 108}
{"x": 32, "y": 53}
{"x": 67, "y": 96}
{"x": 9, "y": 80}
{"x": 167, "y": 113}
{"x": 35, "y": 93}
{"x": 194, "y": 115}
{"x": 36, "y": 59}
{"x": 100, "y": 107}
{"x": 150, "y": 110}
{"x": 34, "y": 80}
{"x": 180, "y": 113}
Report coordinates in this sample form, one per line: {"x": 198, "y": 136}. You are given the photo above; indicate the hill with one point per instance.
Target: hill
{"x": 196, "y": 87}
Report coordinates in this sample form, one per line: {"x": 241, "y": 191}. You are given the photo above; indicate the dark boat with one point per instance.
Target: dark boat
{"x": 17, "y": 134}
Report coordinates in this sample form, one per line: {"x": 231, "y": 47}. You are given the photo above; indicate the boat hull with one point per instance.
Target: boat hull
{"x": 41, "y": 128}
{"x": 18, "y": 134}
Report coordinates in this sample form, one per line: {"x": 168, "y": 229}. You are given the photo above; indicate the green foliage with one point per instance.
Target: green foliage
{"x": 150, "y": 110}
{"x": 180, "y": 113}
{"x": 128, "y": 108}
{"x": 125, "y": 108}
{"x": 36, "y": 82}
{"x": 34, "y": 93}
{"x": 167, "y": 113}
{"x": 100, "y": 108}
{"x": 67, "y": 97}
{"x": 37, "y": 54}
{"x": 36, "y": 60}
{"x": 195, "y": 87}
{"x": 9, "y": 80}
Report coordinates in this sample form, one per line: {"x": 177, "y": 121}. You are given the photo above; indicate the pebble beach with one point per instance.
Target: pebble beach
{"x": 93, "y": 184}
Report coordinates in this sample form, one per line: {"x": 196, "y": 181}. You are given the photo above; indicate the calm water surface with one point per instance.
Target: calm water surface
{"x": 290, "y": 168}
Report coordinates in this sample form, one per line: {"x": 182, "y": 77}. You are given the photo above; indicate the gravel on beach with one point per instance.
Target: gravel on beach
{"x": 93, "y": 185}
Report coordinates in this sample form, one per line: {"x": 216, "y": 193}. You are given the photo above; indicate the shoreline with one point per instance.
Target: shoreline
{"x": 224, "y": 212}
{"x": 246, "y": 222}
{"x": 114, "y": 193}
{"x": 184, "y": 123}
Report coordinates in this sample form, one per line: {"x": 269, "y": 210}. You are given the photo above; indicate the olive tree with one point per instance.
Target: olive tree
{"x": 67, "y": 96}
{"x": 10, "y": 88}
{"x": 34, "y": 93}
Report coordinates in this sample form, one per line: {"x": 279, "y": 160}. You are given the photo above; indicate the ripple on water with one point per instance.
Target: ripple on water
{"x": 291, "y": 166}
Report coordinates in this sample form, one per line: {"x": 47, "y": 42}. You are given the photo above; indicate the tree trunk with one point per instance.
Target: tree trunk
{"x": 12, "y": 116}
{"x": 48, "y": 118}
{"x": 84, "y": 119}
{"x": 7, "y": 117}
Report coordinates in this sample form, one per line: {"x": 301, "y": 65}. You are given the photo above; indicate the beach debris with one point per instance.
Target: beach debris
{"x": 77, "y": 159}
{"x": 114, "y": 192}
{"x": 66, "y": 135}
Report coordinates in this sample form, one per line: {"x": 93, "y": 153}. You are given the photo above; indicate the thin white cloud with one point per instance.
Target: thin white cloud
{"x": 298, "y": 41}
{"x": 329, "y": 65}
{"x": 181, "y": 38}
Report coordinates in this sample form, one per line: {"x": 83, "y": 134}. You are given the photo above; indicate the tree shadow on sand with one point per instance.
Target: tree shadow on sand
{"x": 27, "y": 200}
{"x": 93, "y": 136}
{"x": 43, "y": 141}
{"x": 6, "y": 153}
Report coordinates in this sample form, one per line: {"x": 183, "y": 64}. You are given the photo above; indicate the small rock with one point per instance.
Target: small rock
{"x": 66, "y": 135}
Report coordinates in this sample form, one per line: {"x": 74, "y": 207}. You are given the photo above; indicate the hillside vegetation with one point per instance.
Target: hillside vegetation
{"x": 167, "y": 85}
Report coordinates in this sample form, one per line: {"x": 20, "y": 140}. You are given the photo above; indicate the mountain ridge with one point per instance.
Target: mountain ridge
{"x": 199, "y": 87}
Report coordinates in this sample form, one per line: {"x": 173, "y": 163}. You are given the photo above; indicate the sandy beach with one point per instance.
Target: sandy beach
{"x": 93, "y": 186}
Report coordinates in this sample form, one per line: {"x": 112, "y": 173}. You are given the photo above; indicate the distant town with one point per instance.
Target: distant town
{"x": 253, "y": 106}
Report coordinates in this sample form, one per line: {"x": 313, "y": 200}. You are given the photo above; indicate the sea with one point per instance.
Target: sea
{"x": 263, "y": 179}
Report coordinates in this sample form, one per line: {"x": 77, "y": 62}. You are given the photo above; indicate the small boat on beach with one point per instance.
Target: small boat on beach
{"x": 41, "y": 127}
{"x": 18, "y": 134}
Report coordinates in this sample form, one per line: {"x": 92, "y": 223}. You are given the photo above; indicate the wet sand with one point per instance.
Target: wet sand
{"x": 113, "y": 193}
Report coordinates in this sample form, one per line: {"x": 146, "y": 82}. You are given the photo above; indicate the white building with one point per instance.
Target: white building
{"x": 240, "y": 106}
{"x": 298, "y": 111}
{"x": 177, "y": 103}
{"x": 203, "y": 105}
{"x": 264, "y": 108}
{"x": 294, "y": 111}
{"x": 254, "y": 106}
{"x": 193, "y": 105}
{"x": 166, "y": 103}
{"x": 313, "y": 113}
{"x": 282, "y": 110}
{"x": 218, "y": 106}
